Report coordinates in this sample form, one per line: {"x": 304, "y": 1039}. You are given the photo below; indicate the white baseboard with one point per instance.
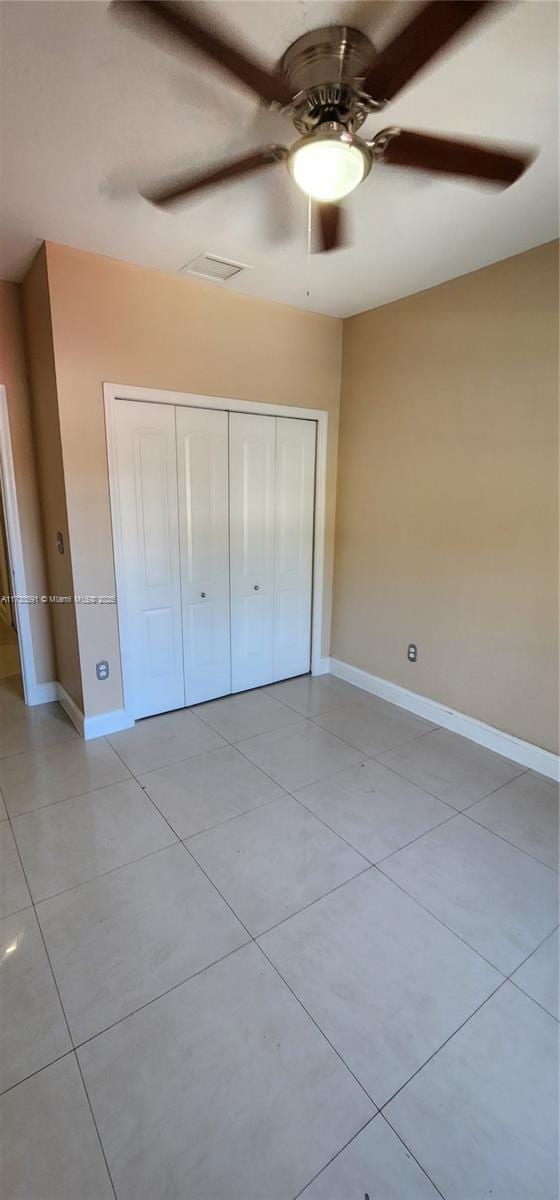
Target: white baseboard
{"x": 502, "y": 743}
{"x": 321, "y": 666}
{"x": 93, "y": 727}
{"x": 106, "y": 723}
{"x": 71, "y": 708}
{"x": 42, "y": 693}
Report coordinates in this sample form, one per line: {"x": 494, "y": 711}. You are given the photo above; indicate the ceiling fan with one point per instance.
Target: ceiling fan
{"x": 329, "y": 81}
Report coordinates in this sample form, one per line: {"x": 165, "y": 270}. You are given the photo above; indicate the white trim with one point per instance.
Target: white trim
{"x": 71, "y": 708}
{"x": 45, "y": 693}
{"x": 322, "y": 667}
{"x": 33, "y": 691}
{"x": 502, "y": 743}
{"x": 115, "y": 391}
{"x": 106, "y": 723}
{"x": 91, "y": 727}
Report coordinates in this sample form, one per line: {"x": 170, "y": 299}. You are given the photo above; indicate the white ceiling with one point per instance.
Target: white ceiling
{"x": 90, "y": 110}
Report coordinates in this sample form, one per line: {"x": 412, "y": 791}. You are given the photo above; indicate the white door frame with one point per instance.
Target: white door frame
{"x": 113, "y": 392}
{"x": 34, "y": 692}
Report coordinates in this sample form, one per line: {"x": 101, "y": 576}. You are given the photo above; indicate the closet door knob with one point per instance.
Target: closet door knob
{"x": 257, "y": 588}
{"x": 203, "y": 595}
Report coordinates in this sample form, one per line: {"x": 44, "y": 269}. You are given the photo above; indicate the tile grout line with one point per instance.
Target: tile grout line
{"x": 532, "y": 998}
{"x": 388, "y": 749}
{"x": 382, "y": 1107}
{"x": 299, "y": 1001}
{"x": 377, "y": 758}
{"x": 501, "y": 786}
{"x": 254, "y": 938}
{"x": 324, "y": 895}
{"x": 335, "y": 1156}
{"x": 350, "y": 844}
{"x": 272, "y": 964}
{"x": 316, "y": 900}
{"x": 369, "y": 758}
{"x": 73, "y": 1045}
{"x": 322, "y": 779}
{"x": 37, "y": 1071}
{"x": 412, "y": 1155}
{"x": 444, "y": 1043}
{"x": 161, "y": 996}
{"x": 367, "y": 755}
{"x": 455, "y": 812}
{"x": 506, "y": 840}
{"x": 464, "y": 813}
{"x": 531, "y": 952}
{"x": 176, "y": 762}
{"x": 63, "y": 1010}
{"x": 55, "y": 740}
{"x": 189, "y": 837}
{"x": 254, "y": 941}
{"x": 439, "y": 919}
{"x": 522, "y": 964}
{"x": 79, "y": 795}
{"x": 111, "y": 870}
{"x": 48, "y": 745}
{"x": 192, "y": 857}
{"x": 95, "y": 1124}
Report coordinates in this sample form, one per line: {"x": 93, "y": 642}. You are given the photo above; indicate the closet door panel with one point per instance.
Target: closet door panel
{"x": 293, "y": 560}
{"x": 252, "y": 495}
{"x": 151, "y": 605}
{"x": 202, "y": 457}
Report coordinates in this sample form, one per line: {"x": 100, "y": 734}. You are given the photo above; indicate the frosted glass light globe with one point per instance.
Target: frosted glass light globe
{"x": 328, "y": 168}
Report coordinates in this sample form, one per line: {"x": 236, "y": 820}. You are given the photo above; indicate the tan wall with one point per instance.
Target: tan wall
{"x": 14, "y": 377}
{"x": 50, "y": 473}
{"x": 447, "y": 495}
{"x": 117, "y": 323}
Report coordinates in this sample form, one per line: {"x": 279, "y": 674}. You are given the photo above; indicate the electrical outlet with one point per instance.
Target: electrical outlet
{"x": 412, "y": 652}
{"x": 102, "y": 669}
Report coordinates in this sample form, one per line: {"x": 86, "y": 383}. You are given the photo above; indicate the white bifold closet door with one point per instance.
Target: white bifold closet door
{"x": 272, "y": 482}
{"x": 149, "y": 555}
{"x": 202, "y": 460}
{"x": 215, "y": 548}
{"x": 252, "y": 455}
{"x": 293, "y": 546}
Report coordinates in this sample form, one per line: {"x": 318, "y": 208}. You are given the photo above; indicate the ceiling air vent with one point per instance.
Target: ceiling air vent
{"x": 208, "y": 266}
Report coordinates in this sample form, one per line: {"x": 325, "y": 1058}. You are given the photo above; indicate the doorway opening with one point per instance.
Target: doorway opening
{"x": 10, "y": 665}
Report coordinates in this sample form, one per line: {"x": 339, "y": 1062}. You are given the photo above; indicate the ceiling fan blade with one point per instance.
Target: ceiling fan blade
{"x": 428, "y": 32}
{"x": 452, "y": 156}
{"x": 178, "y": 189}
{"x": 330, "y": 228}
{"x": 168, "y": 17}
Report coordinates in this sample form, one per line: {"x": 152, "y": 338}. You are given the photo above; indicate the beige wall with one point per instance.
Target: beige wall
{"x": 113, "y": 322}
{"x": 13, "y": 376}
{"x": 447, "y": 495}
{"x": 50, "y": 474}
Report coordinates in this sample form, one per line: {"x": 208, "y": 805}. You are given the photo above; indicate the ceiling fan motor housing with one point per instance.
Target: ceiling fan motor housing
{"x": 323, "y": 69}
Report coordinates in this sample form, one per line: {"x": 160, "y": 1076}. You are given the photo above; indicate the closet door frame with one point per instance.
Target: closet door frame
{"x": 319, "y": 628}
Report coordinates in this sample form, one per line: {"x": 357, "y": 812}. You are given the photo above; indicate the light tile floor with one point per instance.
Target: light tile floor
{"x": 295, "y": 943}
